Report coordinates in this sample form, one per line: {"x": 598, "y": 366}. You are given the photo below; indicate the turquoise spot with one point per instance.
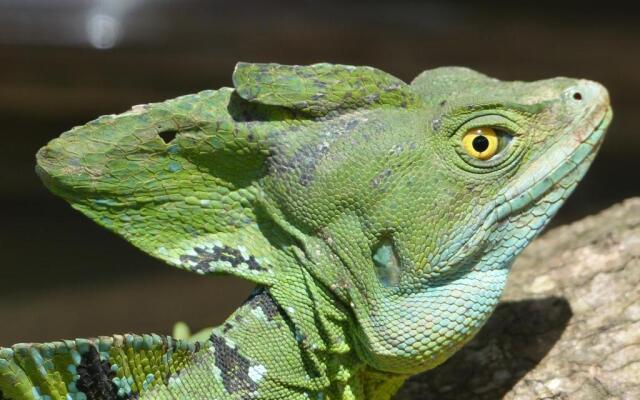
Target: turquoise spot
{"x": 104, "y": 346}
{"x": 123, "y": 385}
{"x": 174, "y": 166}
{"x": 173, "y": 149}
{"x": 37, "y": 358}
{"x": 148, "y": 380}
{"x": 75, "y": 356}
{"x": 83, "y": 345}
{"x": 148, "y": 341}
{"x": 137, "y": 343}
{"x": 106, "y": 221}
{"x": 104, "y": 202}
{"x": 299, "y": 336}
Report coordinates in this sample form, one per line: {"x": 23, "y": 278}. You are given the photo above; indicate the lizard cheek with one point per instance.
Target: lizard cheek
{"x": 386, "y": 263}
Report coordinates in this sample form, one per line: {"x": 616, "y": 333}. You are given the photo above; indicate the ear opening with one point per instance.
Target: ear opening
{"x": 386, "y": 261}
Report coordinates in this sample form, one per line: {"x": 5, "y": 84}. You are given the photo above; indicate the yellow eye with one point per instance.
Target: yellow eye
{"x": 481, "y": 143}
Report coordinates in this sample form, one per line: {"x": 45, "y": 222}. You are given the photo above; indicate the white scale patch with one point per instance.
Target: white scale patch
{"x": 256, "y": 372}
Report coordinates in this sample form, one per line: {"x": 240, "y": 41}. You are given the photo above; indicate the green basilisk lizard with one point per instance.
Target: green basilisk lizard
{"x": 378, "y": 220}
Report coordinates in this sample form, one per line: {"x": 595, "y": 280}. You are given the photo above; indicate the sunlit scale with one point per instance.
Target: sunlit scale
{"x": 481, "y": 143}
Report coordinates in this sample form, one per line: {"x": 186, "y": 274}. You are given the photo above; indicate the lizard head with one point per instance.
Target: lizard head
{"x": 407, "y": 203}
{"x": 486, "y": 166}
{"x": 419, "y": 211}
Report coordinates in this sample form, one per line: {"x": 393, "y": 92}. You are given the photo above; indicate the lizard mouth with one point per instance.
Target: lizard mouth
{"x": 543, "y": 177}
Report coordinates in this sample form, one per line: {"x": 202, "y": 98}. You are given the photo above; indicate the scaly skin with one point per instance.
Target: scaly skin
{"x": 379, "y": 243}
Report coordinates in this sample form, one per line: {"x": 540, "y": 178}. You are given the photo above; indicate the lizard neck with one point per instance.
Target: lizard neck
{"x": 283, "y": 347}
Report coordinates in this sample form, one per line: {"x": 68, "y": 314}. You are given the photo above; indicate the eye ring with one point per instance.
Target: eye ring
{"x": 512, "y": 140}
{"x": 481, "y": 143}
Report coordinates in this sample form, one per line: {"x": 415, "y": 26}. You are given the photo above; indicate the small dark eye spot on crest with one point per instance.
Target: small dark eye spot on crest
{"x": 435, "y": 124}
{"x": 167, "y": 136}
{"x": 577, "y": 96}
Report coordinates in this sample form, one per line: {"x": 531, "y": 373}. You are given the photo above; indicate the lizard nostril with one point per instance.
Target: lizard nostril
{"x": 577, "y": 96}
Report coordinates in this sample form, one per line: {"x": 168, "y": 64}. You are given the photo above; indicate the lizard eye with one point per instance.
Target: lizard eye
{"x": 486, "y": 143}
{"x": 481, "y": 143}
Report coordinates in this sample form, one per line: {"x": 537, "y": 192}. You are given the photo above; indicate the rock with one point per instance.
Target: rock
{"x": 568, "y": 326}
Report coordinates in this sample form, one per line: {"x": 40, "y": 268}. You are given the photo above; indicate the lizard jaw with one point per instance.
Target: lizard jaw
{"x": 540, "y": 180}
{"x": 478, "y": 269}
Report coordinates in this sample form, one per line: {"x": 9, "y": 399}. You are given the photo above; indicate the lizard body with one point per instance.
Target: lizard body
{"x": 378, "y": 219}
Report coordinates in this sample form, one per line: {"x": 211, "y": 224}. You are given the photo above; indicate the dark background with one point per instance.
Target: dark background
{"x": 65, "y": 62}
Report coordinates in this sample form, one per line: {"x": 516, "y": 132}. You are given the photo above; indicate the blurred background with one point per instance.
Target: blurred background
{"x": 65, "y": 62}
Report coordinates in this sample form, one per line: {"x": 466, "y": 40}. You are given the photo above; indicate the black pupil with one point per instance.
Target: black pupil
{"x": 480, "y": 143}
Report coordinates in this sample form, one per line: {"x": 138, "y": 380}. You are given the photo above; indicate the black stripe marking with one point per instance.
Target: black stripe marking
{"x": 261, "y": 298}
{"x": 234, "y": 367}
{"x": 95, "y": 378}
{"x": 201, "y": 261}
